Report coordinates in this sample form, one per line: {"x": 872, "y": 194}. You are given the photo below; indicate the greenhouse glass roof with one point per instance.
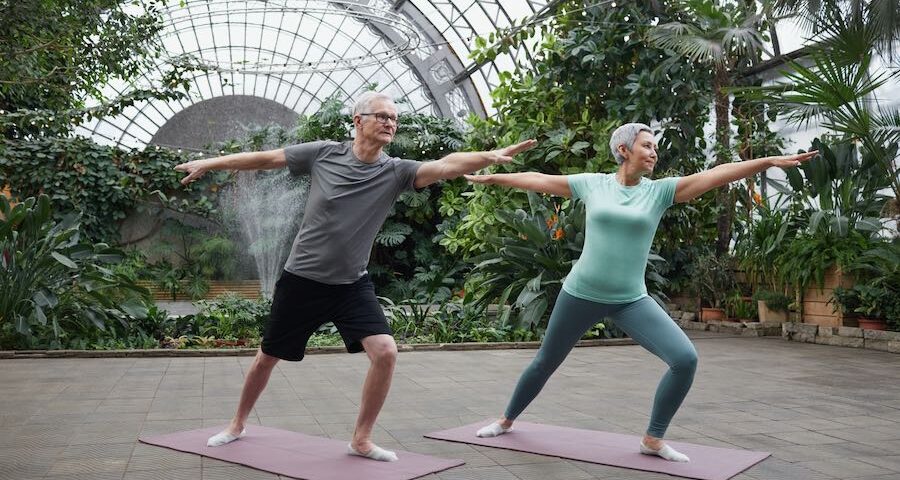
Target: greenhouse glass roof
{"x": 274, "y": 60}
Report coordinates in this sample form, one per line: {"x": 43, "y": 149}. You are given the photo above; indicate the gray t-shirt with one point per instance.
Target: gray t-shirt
{"x": 347, "y": 204}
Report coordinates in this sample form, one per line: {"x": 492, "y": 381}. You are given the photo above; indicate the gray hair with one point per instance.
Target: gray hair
{"x": 626, "y": 135}
{"x": 364, "y": 101}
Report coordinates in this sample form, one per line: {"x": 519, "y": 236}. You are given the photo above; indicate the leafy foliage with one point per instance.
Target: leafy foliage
{"x": 53, "y": 285}
{"x": 61, "y": 53}
{"x": 103, "y": 184}
{"x": 592, "y": 71}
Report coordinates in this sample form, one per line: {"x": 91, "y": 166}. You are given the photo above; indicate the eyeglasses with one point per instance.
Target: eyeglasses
{"x": 382, "y": 117}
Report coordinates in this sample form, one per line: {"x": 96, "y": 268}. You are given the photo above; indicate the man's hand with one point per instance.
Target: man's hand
{"x": 195, "y": 169}
{"x": 504, "y": 155}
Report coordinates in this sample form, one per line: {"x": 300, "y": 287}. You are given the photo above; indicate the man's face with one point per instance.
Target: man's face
{"x": 378, "y": 123}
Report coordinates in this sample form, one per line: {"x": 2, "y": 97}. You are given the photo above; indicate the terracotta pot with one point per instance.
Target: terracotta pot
{"x": 872, "y": 323}
{"x": 712, "y": 314}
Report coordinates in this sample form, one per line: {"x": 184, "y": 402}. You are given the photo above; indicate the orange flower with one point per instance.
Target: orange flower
{"x": 757, "y": 198}
{"x": 558, "y": 234}
{"x": 551, "y": 221}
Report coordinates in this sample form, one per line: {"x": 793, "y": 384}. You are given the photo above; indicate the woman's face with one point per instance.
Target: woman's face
{"x": 643, "y": 155}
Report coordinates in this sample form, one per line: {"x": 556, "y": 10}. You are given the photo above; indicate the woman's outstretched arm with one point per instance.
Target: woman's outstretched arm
{"x": 697, "y": 184}
{"x": 536, "y": 182}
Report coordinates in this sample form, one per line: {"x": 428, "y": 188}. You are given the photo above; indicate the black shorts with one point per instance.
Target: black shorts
{"x": 300, "y": 306}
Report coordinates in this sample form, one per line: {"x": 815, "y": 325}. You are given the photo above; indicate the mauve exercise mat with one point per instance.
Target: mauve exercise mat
{"x": 300, "y": 456}
{"x": 707, "y": 463}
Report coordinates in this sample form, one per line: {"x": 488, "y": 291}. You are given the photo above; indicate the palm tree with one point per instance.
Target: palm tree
{"x": 881, "y": 17}
{"x": 837, "y": 89}
{"x": 725, "y": 38}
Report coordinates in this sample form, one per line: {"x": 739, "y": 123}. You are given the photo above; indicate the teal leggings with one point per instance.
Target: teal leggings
{"x": 644, "y": 321}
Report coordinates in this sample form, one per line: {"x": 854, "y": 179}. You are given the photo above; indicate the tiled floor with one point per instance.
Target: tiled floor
{"x": 824, "y": 412}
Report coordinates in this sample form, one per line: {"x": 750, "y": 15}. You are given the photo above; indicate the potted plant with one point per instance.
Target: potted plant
{"x": 772, "y": 306}
{"x": 847, "y": 301}
{"x": 740, "y": 308}
{"x": 713, "y": 283}
{"x": 874, "y": 302}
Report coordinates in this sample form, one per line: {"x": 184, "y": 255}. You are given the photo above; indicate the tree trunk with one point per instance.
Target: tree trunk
{"x": 724, "y": 201}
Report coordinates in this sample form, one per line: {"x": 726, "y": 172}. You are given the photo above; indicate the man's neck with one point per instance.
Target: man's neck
{"x": 366, "y": 152}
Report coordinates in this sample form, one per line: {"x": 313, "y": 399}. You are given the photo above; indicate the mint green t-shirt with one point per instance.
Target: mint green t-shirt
{"x": 621, "y": 222}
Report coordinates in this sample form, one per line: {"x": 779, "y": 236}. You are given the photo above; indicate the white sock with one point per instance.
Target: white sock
{"x": 665, "y": 452}
{"x": 223, "y": 437}
{"x": 377, "y": 453}
{"x": 492, "y": 430}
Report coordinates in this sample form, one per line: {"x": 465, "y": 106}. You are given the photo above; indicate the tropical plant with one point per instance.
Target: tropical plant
{"x": 837, "y": 90}
{"x": 739, "y": 307}
{"x": 530, "y": 263}
{"x": 809, "y": 255}
{"x": 51, "y": 279}
{"x": 877, "y": 290}
{"x": 726, "y": 37}
{"x": 713, "y": 281}
{"x": 762, "y": 241}
{"x": 881, "y": 17}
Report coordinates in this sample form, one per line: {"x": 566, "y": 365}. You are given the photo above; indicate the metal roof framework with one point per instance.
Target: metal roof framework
{"x": 300, "y": 52}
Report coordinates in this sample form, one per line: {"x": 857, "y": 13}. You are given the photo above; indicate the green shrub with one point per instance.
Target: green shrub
{"x": 55, "y": 287}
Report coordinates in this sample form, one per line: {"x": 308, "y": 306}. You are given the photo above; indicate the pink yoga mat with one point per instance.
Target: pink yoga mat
{"x": 707, "y": 463}
{"x": 300, "y": 456}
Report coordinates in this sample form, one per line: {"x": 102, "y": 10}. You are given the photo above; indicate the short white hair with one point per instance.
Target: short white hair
{"x": 364, "y": 101}
{"x": 626, "y": 135}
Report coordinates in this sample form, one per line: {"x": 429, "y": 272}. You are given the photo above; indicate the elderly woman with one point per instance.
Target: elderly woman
{"x": 623, "y": 211}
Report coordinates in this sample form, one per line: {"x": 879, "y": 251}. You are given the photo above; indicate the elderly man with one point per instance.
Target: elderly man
{"x": 352, "y": 188}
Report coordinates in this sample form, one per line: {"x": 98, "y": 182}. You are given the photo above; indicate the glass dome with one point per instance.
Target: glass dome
{"x": 270, "y": 61}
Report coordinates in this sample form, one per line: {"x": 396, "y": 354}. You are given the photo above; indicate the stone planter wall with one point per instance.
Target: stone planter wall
{"x": 816, "y": 307}
{"x": 842, "y": 336}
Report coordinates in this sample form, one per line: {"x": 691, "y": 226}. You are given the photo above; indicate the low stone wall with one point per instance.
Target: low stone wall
{"x": 688, "y": 321}
{"x": 746, "y": 329}
{"x": 842, "y": 336}
{"x": 246, "y": 352}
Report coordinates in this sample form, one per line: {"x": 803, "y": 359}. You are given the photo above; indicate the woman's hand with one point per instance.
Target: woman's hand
{"x": 788, "y": 161}
{"x": 481, "y": 179}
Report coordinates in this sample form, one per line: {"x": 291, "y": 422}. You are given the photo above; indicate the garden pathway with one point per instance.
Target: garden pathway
{"x": 824, "y": 412}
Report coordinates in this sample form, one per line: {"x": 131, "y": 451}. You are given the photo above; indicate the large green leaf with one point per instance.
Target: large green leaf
{"x": 64, "y": 260}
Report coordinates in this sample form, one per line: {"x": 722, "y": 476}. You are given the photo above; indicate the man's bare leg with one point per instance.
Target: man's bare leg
{"x": 382, "y": 352}
{"x": 254, "y": 383}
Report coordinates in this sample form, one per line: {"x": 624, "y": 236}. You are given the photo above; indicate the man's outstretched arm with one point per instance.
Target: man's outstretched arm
{"x": 267, "y": 160}
{"x": 460, "y": 163}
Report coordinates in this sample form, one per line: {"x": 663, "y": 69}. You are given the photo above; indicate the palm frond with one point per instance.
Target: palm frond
{"x": 884, "y": 17}
{"x": 688, "y": 41}
{"x": 886, "y": 126}
{"x": 745, "y": 40}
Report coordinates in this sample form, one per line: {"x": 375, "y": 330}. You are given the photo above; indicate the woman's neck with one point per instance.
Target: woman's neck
{"x": 627, "y": 177}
